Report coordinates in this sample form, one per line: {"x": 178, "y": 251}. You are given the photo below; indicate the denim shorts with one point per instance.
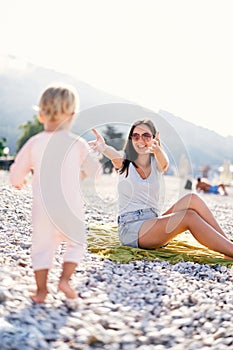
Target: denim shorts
{"x": 130, "y": 223}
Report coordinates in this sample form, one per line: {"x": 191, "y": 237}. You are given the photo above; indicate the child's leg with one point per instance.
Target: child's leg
{"x": 72, "y": 257}
{"x": 41, "y": 282}
{"x": 44, "y": 244}
{"x": 64, "y": 286}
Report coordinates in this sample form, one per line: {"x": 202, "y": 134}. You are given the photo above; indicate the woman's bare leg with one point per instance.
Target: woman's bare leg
{"x": 156, "y": 232}
{"x": 196, "y": 203}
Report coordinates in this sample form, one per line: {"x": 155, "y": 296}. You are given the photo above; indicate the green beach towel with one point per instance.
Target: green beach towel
{"x": 103, "y": 240}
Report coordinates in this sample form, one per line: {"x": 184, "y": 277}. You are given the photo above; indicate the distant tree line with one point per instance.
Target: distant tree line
{"x": 2, "y": 145}
{"x": 114, "y": 139}
{"x": 29, "y": 129}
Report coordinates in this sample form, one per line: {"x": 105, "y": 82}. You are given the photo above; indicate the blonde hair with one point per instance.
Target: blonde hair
{"x": 57, "y": 101}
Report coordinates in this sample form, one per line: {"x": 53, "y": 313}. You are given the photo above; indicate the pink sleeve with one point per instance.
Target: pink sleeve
{"x": 21, "y": 166}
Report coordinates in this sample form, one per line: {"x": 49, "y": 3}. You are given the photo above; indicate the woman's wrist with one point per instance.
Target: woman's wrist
{"x": 103, "y": 148}
{"x": 157, "y": 150}
{"x": 111, "y": 153}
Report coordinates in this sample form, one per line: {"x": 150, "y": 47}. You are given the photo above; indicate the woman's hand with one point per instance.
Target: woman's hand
{"x": 159, "y": 153}
{"x": 110, "y": 152}
{"x": 99, "y": 144}
{"x": 155, "y": 143}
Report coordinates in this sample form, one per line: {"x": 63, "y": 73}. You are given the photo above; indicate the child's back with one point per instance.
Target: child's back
{"x": 59, "y": 160}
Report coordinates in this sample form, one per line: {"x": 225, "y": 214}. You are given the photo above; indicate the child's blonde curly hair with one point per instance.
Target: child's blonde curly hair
{"x": 57, "y": 101}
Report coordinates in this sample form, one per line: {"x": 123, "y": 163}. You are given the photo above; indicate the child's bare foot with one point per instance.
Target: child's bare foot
{"x": 67, "y": 290}
{"x": 39, "y": 297}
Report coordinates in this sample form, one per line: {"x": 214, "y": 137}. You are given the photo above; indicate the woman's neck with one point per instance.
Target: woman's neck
{"x": 142, "y": 161}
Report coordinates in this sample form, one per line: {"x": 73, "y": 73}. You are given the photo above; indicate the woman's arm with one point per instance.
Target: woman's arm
{"x": 159, "y": 153}
{"x": 110, "y": 152}
{"x": 162, "y": 159}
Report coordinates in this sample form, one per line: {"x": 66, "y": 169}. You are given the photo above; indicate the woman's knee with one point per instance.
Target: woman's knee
{"x": 193, "y": 200}
{"x": 191, "y": 214}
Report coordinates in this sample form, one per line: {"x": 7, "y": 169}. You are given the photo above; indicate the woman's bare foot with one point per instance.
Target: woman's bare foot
{"x": 228, "y": 257}
{"x": 67, "y": 290}
{"x": 39, "y": 297}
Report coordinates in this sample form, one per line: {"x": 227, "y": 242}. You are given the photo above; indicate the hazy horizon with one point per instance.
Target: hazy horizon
{"x": 172, "y": 56}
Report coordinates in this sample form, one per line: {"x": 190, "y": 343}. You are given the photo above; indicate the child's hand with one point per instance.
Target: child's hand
{"x": 99, "y": 144}
{"x": 19, "y": 187}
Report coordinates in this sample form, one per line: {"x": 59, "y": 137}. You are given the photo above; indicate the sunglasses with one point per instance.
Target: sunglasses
{"x": 146, "y": 136}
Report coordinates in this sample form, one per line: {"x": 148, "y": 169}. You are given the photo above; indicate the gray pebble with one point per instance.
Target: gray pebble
{"x": 141, "y": 305}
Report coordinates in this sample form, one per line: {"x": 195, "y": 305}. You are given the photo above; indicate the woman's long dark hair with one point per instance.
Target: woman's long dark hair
{"x": 130, "y": 153}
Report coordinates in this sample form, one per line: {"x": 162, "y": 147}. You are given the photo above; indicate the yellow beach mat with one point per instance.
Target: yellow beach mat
{"x": 103, "y": 240}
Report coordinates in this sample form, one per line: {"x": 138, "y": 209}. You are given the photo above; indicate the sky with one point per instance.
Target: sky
{"x": 172, "y": 55}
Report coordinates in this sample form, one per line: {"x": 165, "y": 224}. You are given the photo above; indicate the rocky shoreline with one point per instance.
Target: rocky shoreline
{"x": 140, "y": 305}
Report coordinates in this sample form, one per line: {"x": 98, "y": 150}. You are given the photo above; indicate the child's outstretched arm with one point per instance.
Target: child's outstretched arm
{"x": 100, "y": 146}
{"x": 21, "y": 167}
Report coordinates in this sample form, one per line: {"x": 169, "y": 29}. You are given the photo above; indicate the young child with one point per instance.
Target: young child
{"x": 59, "y": 160}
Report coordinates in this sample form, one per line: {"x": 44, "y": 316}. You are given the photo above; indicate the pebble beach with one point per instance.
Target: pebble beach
{"x": 140, "y": 305}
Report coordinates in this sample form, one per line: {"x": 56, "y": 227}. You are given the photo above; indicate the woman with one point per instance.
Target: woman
{"x": 140, "y": 174}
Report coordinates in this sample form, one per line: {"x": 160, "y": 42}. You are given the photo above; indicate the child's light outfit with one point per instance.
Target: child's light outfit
{"x": 139, "y": 200}
{"x": 57, "y": 160}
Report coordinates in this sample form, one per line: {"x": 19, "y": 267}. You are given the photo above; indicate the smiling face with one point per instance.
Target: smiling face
{"x": 141, "y": 144}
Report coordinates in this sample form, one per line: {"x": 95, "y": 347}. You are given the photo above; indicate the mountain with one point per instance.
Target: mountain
{"x": 203, "y": 145}
{"x": 21, "y": 84}
{"x": 20, "y": 87}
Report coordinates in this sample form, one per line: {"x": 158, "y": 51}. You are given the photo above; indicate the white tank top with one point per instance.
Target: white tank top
{"x": 137, "y": 193}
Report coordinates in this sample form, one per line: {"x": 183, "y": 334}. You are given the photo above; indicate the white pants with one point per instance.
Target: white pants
{"x": 45, "y": 241}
